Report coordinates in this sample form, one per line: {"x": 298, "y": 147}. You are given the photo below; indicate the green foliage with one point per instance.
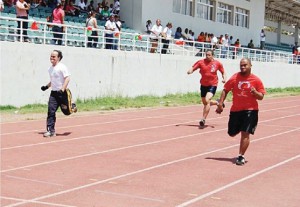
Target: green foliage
{"x": 118, "y": 102}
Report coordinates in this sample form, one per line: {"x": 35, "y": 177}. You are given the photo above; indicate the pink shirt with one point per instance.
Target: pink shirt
{"x": 58, "y": 16}
{"x": 21, "y": 12}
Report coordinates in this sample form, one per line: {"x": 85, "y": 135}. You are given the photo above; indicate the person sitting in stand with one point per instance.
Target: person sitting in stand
{"x": 105, "y": 14}
{"x": 250, "y": 44}
{"x": 71, "y": 10}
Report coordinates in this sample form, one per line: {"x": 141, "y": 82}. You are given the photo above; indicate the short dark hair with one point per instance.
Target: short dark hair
{"x": 59, "y": 54}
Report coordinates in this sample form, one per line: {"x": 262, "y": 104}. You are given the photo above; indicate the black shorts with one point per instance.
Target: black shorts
{"x": 205, "y": 89}
{"x": 245, "y": 121}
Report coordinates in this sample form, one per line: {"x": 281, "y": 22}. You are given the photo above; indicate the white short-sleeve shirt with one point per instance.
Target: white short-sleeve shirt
{"x": 58, "y": 73}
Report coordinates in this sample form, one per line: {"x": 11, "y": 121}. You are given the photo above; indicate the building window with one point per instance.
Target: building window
{"x": 224, "y": 14}
{"x": 242, "y": 17}
{"x": 204, "y": 9}
{"x": 183, "y": 7}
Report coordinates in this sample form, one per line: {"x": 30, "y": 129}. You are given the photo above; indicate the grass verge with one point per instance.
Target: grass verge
{"x": 114, "y": 103}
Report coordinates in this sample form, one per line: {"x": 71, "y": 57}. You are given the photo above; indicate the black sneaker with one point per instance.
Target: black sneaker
{"x": 74, "y": 107}
{"x": 240, "y": 160}
{"x": 202, "y": 122}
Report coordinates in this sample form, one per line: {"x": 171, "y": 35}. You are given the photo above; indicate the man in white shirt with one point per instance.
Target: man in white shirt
{"x": 59, "y": 80}
{"x": 110, "y": 27}
{"x": 166, "y": 34}
{"x": 155, "y": 35}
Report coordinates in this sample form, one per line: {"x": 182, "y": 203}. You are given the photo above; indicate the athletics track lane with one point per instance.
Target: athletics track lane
{"x": 153, "y": 157}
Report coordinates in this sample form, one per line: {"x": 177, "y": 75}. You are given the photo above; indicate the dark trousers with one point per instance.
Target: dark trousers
{"x": 109, "y": 41}
{"x": 57, "y": 34}
{"x": 165, "y": 46}
{"x": 56, "y": 99}
{"x": 93, "y": 39}
{"x": 22, "y": 25}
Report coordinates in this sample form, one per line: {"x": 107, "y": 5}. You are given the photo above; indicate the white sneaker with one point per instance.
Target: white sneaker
{"x": 49, "y": 134}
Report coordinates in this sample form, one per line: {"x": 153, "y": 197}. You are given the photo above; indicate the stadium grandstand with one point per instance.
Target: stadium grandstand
{"x": 242, "y": 20}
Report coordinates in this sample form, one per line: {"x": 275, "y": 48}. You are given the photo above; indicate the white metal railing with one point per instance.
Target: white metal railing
{"x": 40, "y": 32}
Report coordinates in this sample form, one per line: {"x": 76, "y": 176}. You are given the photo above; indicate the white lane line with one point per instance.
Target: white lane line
{"x": 126, "y": 120}
{"x": 111, "y": 150}
{"x": 37, "y": 202}
{"x": 101, "y": 123}
{"x": 144, "y": 170}
{"x": 120, "y": 132}
{"x": 237, "y": 182}
{"x": 100, "y": 135}
{"x": 129, "y": 196}
{"x": 31, "y": 180}
{"x": 281, "y": 100}
{"x": 131, "y": 146}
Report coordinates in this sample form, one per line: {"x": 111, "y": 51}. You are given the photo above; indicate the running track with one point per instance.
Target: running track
{"x": 153, "y": 158}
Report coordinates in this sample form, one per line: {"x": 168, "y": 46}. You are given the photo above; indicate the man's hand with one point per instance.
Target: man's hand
{"x": 43, "y": 88}
{"x": 219, "y": 109}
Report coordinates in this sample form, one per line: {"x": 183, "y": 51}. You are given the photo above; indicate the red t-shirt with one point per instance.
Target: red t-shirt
{"x": 208, "y": 71}
{"x": 241, "y": 89}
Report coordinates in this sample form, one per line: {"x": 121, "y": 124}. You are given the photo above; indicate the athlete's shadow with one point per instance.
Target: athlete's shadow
{"x": 195, "y": 125}
{"x": 232, "y": 160}
{"x": 59, "y": 134}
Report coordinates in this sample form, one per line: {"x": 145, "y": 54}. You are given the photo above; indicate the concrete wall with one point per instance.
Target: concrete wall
{"x": 98, "y": 73}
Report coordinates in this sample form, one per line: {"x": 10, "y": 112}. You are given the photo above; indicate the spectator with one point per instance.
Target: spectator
{"x": 117, "y": 7}
{"x": 166, "y": 34}
{"x": 225, "y": 46}
{"x": 91, "y": 22}
{"x": 185, "y": 34}
{"x": 99, "y": 8}
{"x": 236, "y": 46}
{"x": 105, "y": 14}
{"x": 201, "y": 37}
{"x": 230, "y": 41}
{"x": 296, "y": 53}
{"x": 178, "y": 33}
{"x": 91, "y": 7}
{"x": 104, "y": 3}
{"x": 82, "y": 6}
{"x": 155, "y": 34}
{"x": 1, "y": 6}
{"x": 22, "y": 10}
{"x": 117, "y": 31}
{"x": 71, "y": 10}
{"x": 148, "y": 26}
{"x": 250, "y": 44}
{"x": 262, "y": 39}
{"x": 214, "y": 42}
{"x": 58, "y": 18}
{"x": 110, "y": 27}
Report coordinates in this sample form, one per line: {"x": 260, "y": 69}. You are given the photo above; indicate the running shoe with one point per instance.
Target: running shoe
{"x": 202, "y": 122}
{"x": 240, "y": 160}
{"x": 74, "y": 107}
{"x": 49, "y": 134}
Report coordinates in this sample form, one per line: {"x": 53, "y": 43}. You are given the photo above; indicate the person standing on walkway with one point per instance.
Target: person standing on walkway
{"x": 209, "y": 81}
{"x": 60, "y": 94}
{"x": 22, "y": 10}
{"x": 58, "y": 18}
{"x": 246, "y": 89}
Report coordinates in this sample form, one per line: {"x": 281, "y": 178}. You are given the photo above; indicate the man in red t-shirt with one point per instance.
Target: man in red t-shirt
{"x": 246, "y": 90}
{"x": 209, "y": 81}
